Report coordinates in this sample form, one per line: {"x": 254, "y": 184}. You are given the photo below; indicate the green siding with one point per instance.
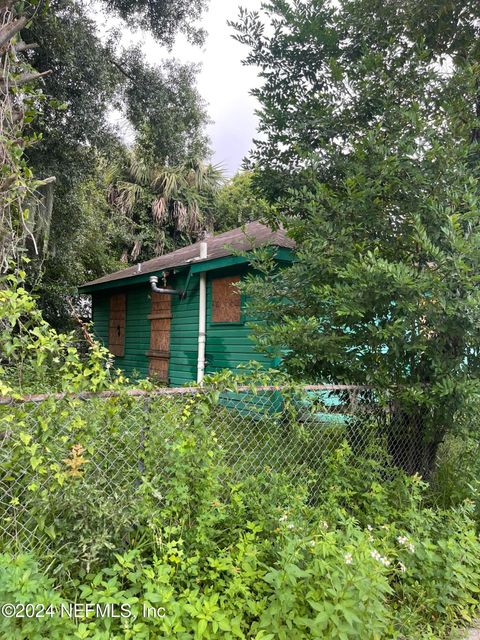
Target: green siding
{"x": 100, "y": 312}
{"x": 184, "y": 333}
{"x": 228, "y": 345}
{"x": 137, "y": 331}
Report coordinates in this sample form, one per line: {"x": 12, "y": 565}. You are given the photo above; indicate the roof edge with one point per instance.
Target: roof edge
{"x": 283, "y": 254}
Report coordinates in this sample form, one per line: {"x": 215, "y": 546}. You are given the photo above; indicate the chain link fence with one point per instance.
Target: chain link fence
{"x": 66, "y": 457}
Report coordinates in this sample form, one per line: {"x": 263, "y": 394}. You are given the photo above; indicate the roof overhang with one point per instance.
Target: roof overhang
{"x": 131, "y": 281}
{"x": 282, "y": 254}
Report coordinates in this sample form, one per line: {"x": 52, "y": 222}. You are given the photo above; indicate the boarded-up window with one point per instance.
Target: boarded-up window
{"x": 226, "y": 300}
{"x": 116, "y": 325}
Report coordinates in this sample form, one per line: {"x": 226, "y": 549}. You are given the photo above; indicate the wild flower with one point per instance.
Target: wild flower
{"x": 348, "y": 558}
{"x": 376, "y": 556}
{"x": 290, "y": 526}
{"x": 402, "y": 567}
{"x": 324, "y": 525}
{"x": 369, "y": 527}
{"x": 283, "y": 518}
{"x": 403, "y": 540}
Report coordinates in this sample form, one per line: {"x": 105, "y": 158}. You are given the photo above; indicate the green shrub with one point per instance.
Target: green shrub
{"x": 35, "y": 358}
{"x": 22, "y": 583}
{"x": 457, "y": 472}
{"x": 386, "y": 567}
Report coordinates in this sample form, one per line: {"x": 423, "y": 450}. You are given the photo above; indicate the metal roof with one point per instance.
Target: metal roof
{"x": 245, "y": 238}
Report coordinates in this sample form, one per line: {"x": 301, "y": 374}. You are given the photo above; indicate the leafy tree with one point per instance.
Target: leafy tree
{"x": 165, "y": 109}
{"x": 368, "y": 150}
{"x": 84, "y": 80}
{"x": 21, "y": 100}
{"x": 90, "y": 78}
{"x": 163, "y": 18}
{"x": 86, "y": 243}
{"x": 238, "y": 203}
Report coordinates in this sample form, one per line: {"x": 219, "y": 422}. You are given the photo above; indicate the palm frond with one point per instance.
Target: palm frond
{"x": 127, "y": 195}
{"x": 139, "y": 170}
{"x": 160, "y": 243}
{"x": 160, "y": 210}
{"x": 111, "y": 172}
{"x": 209, "y": 176}
{"x": 137, "y": 247}
{"x": 166, "y": 182}
{"x": 180, "y": 216}
{"x": 195, "y": 217}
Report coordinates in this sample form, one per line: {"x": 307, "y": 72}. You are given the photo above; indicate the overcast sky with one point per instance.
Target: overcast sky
{"x": 223, "y": 81}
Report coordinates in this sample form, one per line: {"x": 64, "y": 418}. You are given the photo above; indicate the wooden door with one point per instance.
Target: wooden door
{"x": 160, "y": 318}
{"x": 116, "y": 324}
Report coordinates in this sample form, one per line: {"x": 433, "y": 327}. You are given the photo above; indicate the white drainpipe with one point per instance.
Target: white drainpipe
{"x": 202, "y": 315}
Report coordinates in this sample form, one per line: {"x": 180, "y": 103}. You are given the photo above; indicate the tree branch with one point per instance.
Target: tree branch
{"x": 24, "y": 46}
{"x": 24, "y": 79}
{"x": 10, "y": 29}
{"x": 122, "y": 70}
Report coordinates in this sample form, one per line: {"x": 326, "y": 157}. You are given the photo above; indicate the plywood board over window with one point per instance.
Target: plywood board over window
{"x": 226, "y": 300}
{"x": 159, "y": 354}
{"x": 116, "y": 324}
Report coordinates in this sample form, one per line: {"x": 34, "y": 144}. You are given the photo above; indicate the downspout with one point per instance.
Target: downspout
{"x": 202, "y": 314}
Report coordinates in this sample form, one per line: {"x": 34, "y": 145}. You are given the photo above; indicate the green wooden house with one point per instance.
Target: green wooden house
{"x": 180, "y": 315}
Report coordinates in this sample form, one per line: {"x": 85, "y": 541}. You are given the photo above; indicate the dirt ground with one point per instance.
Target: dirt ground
{"x": 473, "y": 634}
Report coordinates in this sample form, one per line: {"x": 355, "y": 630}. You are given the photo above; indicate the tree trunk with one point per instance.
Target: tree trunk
{"x": 409, "y": 444}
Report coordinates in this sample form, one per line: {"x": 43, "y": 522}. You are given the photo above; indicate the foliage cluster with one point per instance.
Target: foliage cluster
{"x": 101, "y": 94}
{"x": 34, "y": 357}
{"x": 230, "y": 558}
{"x": 245, "y": 560}
{"x": 163, "y": 207}
{"x": 370, "y": 155}
{"x": 238, "y": 203}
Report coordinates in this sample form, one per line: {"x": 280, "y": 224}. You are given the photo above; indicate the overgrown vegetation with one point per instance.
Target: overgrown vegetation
{"x": 370, "y": 155}
{"x": 245, "y": 560}
{"x": 372, "y": 553}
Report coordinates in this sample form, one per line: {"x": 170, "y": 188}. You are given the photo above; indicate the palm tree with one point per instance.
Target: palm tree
{"x": 178, "y": 199}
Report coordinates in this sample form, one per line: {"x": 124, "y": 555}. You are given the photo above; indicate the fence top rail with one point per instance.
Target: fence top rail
{"x": 168, "y": 391}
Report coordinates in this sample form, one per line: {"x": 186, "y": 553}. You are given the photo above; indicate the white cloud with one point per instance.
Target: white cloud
{"x": 223, "y": 81}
